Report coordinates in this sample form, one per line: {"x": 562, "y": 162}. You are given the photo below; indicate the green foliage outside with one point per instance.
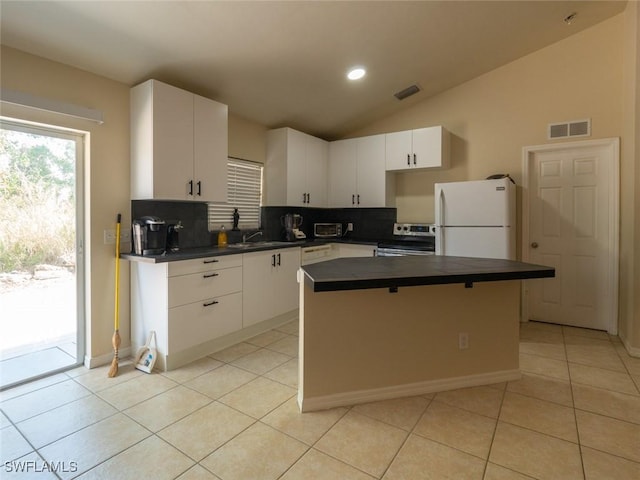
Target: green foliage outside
{"x": 37, "y": 201}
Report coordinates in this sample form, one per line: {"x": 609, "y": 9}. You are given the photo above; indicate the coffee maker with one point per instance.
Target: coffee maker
{"x": 149, "y": 236}
{"x": 291, "y": 223}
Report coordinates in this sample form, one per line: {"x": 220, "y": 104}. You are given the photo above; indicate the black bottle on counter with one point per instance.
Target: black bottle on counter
{"x": 236, "y": 219}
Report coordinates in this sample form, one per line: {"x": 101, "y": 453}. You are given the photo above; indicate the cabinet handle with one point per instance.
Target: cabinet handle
{"x": 358, "y": 199}
{"x": 353, "y": 199}
{"x": 414, "y": 159}
{"x": 209, "y": 275}
{"x": 273, "y": 260}
{"x": 190, "y": 187}
{"x": 278, "y": 259}
{"x": 199, "y": 188}
{"x": 408, "y": 159}
{"x": 308, "y": 198}
{"x": 213, "y": 260}
{"x": 214, "y": 302}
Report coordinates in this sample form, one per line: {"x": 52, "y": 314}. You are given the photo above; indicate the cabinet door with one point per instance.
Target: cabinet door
{"x": 210, "y": 139}
{"x": 199, "y": 322}
{"x": 172, "y": 132}
{"x": 284, "y": 281}
{"x": 186, "y": 289}
{"x": 257, "y": 300}
{"x": 428, "y": 147}
{"x": 317, "y": 157}
{"x": 342, "y": 173}
{"x": 296, "y": 168}
{"x": 371, "y": 172}
{"x": 356, "y": 250}
{"x": 398, "y": 150}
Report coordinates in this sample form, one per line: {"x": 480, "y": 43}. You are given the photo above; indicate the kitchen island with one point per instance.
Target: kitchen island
{"x": 385, "y": 327}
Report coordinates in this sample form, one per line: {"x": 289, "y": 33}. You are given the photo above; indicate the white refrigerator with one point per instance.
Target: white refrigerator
{"x": 476, "y": 219}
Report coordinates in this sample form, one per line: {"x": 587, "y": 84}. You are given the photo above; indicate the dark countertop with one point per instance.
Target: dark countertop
{"x": 393, "y": 272}
{"x": 214, "y": 251}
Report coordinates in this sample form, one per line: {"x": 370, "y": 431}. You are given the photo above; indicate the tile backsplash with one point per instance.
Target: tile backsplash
{"x": 369, "y": 223}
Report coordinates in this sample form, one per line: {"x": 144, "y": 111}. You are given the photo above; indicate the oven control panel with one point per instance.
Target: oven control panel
{"x": 414, "y": 229}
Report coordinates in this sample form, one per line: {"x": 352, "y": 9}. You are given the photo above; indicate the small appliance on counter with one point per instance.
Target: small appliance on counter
{"x": 149, "y": 236}
{"x": 291, "y": 223}
{"x": 173, "y": 236}
{"x": 327, "y": 230}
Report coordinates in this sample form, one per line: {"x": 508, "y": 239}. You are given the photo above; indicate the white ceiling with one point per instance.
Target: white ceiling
{"x": 284, "y": 63}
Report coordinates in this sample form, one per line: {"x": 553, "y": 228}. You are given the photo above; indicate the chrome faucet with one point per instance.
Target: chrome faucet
{"x": 254, "y": 234}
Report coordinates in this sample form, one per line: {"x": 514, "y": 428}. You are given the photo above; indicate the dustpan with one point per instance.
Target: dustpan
{"x": 146, "y": 355}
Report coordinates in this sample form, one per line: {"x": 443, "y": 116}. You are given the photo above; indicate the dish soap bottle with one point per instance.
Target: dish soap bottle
{"x": 222, "y": 237}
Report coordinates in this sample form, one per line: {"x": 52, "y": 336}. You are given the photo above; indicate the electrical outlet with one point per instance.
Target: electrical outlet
{"x": 463, "y": 341}
{"x": 110, "y": 236}
{"x": 349, "y": 227}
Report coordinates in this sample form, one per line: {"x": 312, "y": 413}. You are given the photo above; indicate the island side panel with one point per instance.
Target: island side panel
{"x": 364, "y": 345}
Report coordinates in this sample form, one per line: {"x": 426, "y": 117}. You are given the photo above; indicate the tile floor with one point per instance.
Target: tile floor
{"x": 233, "y": 415}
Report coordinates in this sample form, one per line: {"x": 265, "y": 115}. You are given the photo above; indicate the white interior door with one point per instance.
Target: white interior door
{"x": 570, "y": 223}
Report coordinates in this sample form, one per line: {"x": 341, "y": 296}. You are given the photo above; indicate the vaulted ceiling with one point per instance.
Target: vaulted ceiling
{"x": 284, "y": 63}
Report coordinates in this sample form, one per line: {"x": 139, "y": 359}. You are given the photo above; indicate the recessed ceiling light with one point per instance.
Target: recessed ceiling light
{"x": 356, "y": 73}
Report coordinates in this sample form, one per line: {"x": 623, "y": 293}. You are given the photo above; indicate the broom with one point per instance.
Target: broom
{"x": 115, "y": 340}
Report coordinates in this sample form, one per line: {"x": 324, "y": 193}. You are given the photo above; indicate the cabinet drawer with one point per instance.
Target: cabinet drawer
{"x": 204, "y": 285}
{"x": 196, "y": 323}
{"x": 185, "y": 267}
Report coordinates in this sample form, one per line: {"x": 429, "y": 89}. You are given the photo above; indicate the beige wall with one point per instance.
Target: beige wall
{"x": 247, "y": 139}
{"x": 593, "y": 74}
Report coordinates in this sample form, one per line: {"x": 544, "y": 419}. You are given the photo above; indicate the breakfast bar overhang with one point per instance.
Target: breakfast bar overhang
{"x": 385, "y": 327}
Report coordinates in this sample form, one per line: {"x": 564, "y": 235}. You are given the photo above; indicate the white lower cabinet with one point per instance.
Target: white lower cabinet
{"x": 199, "y": 306}
{"x": 187, "y": 303}
{"x": 356, "y": 250}
{"x": 193, "y": 323}
{"x": 269, "y": 284}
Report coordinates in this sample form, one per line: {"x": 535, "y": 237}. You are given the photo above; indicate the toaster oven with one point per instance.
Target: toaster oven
{"x": 327, "y": 230}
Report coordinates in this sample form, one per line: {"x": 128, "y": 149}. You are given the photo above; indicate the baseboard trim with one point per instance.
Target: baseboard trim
{"x": 93, "y": 362}
{"x": 407, "y": 390}
{"x": 633, "y": 351}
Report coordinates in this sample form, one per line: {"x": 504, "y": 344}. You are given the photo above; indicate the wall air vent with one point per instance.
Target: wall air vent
{"x": 575, "y": 128}
{"x": 407, "y": 92}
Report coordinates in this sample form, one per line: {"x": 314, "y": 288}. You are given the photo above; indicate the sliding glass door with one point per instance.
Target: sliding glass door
{"x": 41, "y": 251}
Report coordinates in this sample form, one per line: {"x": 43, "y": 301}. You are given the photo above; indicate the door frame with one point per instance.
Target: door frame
{"x": 528, "y": 154}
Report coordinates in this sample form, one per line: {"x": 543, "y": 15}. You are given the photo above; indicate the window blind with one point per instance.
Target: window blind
{"x": 244, "y": 192}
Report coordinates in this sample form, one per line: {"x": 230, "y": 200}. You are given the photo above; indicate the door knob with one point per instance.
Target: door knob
{"x": 534, "y": 245}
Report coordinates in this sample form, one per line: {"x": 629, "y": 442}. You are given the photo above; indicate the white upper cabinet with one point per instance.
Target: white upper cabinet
{"x": 179, "y": 145}
{"x": 417, "y": 149}
{"x": 357, "y": 175}
{"x": 296, "y": 169}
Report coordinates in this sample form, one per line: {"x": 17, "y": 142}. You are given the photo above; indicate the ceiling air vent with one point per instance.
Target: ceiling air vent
{"x": 407, "y": 92}
{"x": 575, "y": 128}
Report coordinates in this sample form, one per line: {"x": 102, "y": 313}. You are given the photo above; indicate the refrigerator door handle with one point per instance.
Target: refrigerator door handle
{"x": 440, "y": 224}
